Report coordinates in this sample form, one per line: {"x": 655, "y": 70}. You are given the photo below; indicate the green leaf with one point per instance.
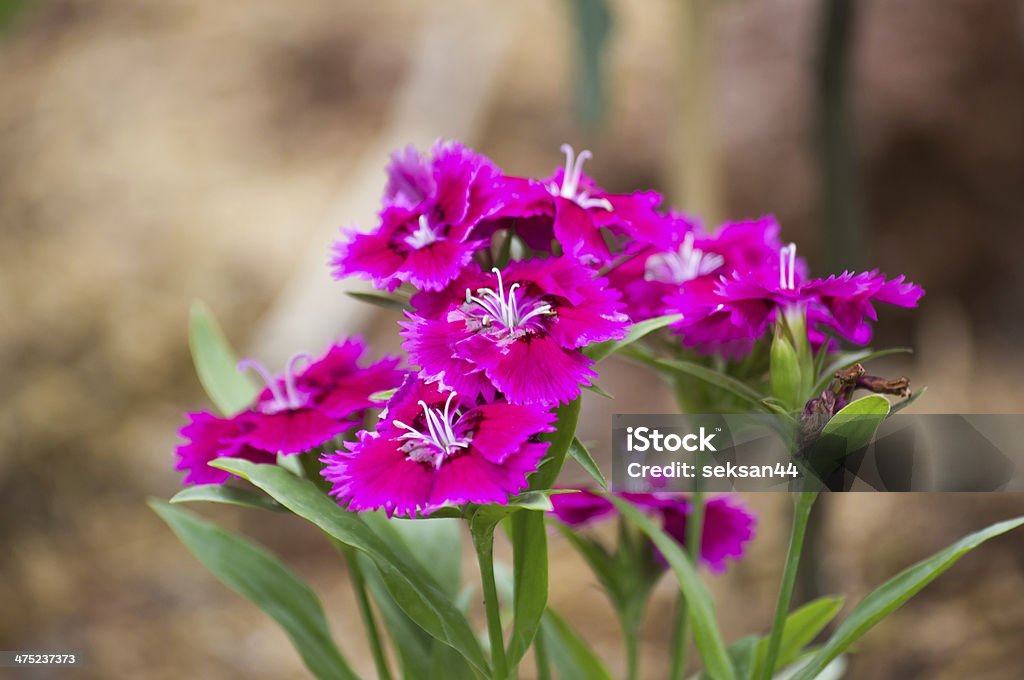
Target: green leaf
{"x": 847, "y": 359}
{"x": 419, "y": 596}
{"x": 380, "y": 300}
{"x": 216, "y": 364}
{"x": 561, "y": 439}
{"x": 570, "y": 654}
{"x": 218, "y": 493}
{"x": 579, "y": 453}
{"x": 599, "y": 391}
{"x": 801, "y": 627}
{"x": 261, "y": 578}
{"x": 701, "y": 608}
{"x": 858, "y": 421}
{"x": 848, "y": 431}
{"x": 600, "y": 562}
{"x": 433, "y": 543}
{"x": 720, "y": 380}
{"x": 383, "y": 396}
{"x": 601, "y": 350}
{"x": 888, "y": 597}
{"x": 530, "y": 579}
{"x": 412, "y": 644}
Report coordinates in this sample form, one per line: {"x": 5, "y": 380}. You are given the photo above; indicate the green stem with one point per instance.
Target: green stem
{"x": 694, "y": 535}
{"x": 540, "y": 654}
{"x": 355, "y": 571}
{"x": 484, "y": 543}
{"x": 804, "y": 501}
{"x": 632, "y": 655}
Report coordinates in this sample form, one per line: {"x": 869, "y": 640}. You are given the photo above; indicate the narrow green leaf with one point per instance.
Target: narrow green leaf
{"x": 531, "y": 500}
{"x": 570, "y": 654}
{"x": 412, "y": 645}
{"x": 847, "y": 359}
{"x": 419, "y": 596}
{"x": 530, "y": 579}
{"x": 261, "y": 578}
{"x": 381, "y": 300}
{"x": 888, "y": 597}
{"x": 858, "y": 421}
{"x": 581, "y": 455}
{"x": 720, "y": 380}
{"x": 701, "y": 608}
{"x": 601, "y": 350}
{"x": 561, "y": 439}
{"x": 218, "y": 493}
{"x": 599, "y": 561}
{"x": 599, "y": 391}
{"x": 433, "y": 543}
{"x": 383, "y": 396}
{"x": 802, "y": 626}
{"x": 216, "y": 364}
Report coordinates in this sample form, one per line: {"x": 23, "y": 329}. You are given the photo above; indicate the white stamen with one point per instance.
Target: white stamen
{"x": 787, "y": 267}
{"x": 440, "y": 433}
{"x": 682, "y": 266}
{"x": 571, "y": 181}
{"x": 423, "y": 236}
{"x": 502, "y": 307}
{"x": 288, "y": 400}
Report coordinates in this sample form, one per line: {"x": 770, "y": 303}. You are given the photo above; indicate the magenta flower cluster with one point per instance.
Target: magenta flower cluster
{"x": 510, "y": 279}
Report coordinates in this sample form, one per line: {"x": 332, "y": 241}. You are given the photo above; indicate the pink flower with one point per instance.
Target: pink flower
{"x": 655, "y": 272}
{"x": 728, "y": 525}
{"x": 519, "y": 332}
{"x": 570, "y": 209}
{"x": 432, "y": 449}
{"x": 732, "y": 312}
{"x": 427, "y": 227}
{"x": 209, "y": 437}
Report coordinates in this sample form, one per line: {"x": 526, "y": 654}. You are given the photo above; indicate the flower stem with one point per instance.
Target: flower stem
{"x": 484, "y": 543}
{"x": 632, "y": 655}
{"x": 355, "y": 571}
{"x": 804, "y": 501}
{"x": 694, "y": 535}
{"x": 540, "y": 654}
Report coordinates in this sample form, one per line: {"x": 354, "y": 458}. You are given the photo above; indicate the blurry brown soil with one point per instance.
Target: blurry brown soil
{"x": 151, "y": 153}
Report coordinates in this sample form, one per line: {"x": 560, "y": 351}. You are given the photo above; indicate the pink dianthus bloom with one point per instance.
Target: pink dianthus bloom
{"x": 519, "y": 331}
{"x": 432, "y": 449}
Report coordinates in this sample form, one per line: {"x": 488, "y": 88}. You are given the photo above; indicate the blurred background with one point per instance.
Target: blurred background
{"x": 153, "y": 153}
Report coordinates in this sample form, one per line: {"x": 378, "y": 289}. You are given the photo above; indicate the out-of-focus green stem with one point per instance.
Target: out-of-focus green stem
{"x": 694, "y": 535}
{"x": 632, "y": 655}
{"x": 484, "y": 543}
{"x": 355, "y": 571}
{"x": 803, "y": 501}
{"x": 540, "y": 655}
{"x": 695, "y": 163}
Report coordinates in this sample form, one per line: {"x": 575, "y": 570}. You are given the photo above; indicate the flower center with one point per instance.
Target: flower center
{"x": 570, "y": 188}
{"x": 787, "y": 267}
{"x": 288, "y": 399}
{"x": 439, "y": 441}
{"x": 508, "y": 309}
{"x": 423, "y": 236}
{"x": 683, "y": 265}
